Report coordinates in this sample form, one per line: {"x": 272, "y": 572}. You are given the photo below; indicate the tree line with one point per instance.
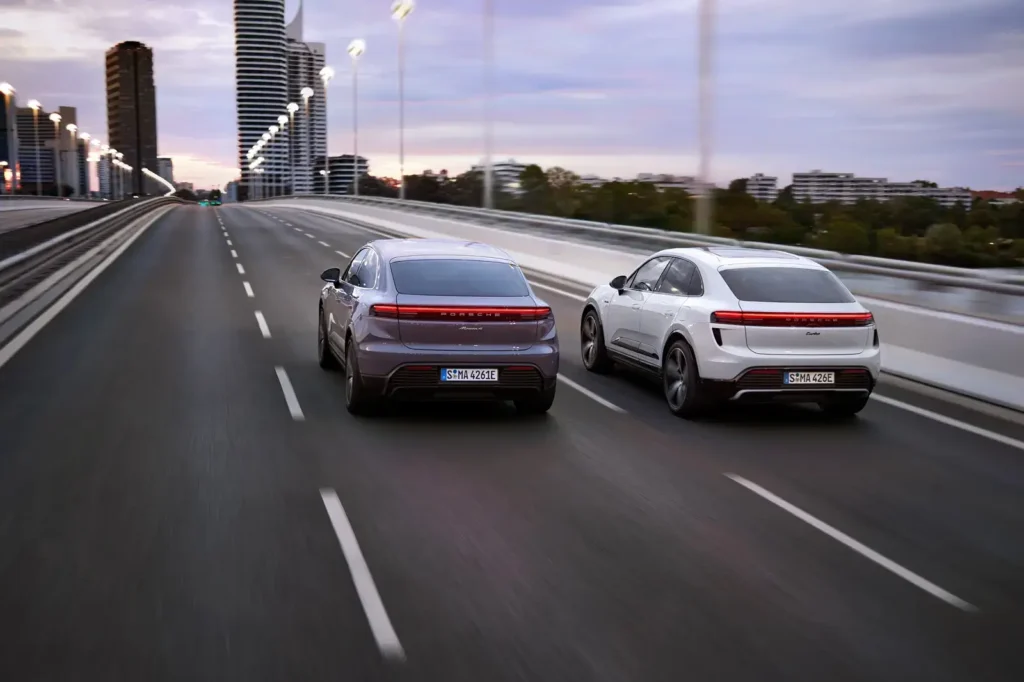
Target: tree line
{"x": 983, "y": 234}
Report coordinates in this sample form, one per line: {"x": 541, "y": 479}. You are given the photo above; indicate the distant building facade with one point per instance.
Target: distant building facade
{"x": 131, "y": 111}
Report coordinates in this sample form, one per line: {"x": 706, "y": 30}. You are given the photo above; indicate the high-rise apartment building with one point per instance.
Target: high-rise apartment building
{"x": 9, "y": 168}
{"x": 131, "y": 111}
{"x": 261, "y": 81}
{"x": 763, "y": 187}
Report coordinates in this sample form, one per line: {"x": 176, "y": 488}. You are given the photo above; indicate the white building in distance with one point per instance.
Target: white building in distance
{"x": 820, "y": 187}
{"x": 307, "y": 139}
{"x": 506, "y": 175}
{"x": 763, "y": 187}
{"x": 165, "y": 168}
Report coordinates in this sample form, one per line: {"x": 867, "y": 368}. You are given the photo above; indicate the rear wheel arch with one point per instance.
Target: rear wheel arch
{"x": 679, "y": 335}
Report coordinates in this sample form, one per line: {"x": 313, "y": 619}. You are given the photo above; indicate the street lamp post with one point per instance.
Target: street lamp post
{"x": 292, "y": 108}
{"x": 57, "y": 143}
{"x": 35, "y": 106}
{"x": 306, "y": 93}
{"x": 7, "y": 90}
{"x": 488, "y": 104}
{"x": 704, "y": 94}
{"x": 125, "y": 183}
{"x": 326, "y": 74}
{"x": 73, "y": 133}
{"x": 355, "y": 50}
{"x": 275, "y": 181}
{"x": 324, "y": 172}
{"x": 400, "y": 10}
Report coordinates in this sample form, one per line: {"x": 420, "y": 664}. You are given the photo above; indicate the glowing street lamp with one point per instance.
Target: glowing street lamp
{"x": 35, "y": 106}
{"x": 73, "y": 131}
{"x": 400, "y": 11}
{"x": 326, "y": 74}
{"x": 58, "y": 143}
{"x": 355, "y": 50}
{"x": 292, "y": 108}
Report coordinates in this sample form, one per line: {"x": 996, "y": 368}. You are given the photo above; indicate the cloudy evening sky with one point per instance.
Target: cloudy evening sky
{"x": 907, "y": 89}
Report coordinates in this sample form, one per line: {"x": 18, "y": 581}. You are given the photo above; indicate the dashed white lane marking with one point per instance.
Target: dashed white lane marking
{"x": 229, "y": 243}
{"x": 590, "y": 394}
{"x": 325, "y": 244}
{"x": 288, "y": 224}
{"x": 234, "y": 254}
{"x": 380, "y": 624}
{"x": 290, "y": 398}
{"x": 248, "y": 290}
{"x": 342, "y": 254}
{"x": 297, "y": 229}
{"x": 241, "y": 270}
{"x": 865, "y": 551}
{"x": 262, "y": 322}
{"x": 310, "y": 236}
{"x": 949, "y": 421}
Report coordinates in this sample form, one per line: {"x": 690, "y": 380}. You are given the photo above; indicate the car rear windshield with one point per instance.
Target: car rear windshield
{"x": 458, "y": 277}
{"x": 786, "y": 285}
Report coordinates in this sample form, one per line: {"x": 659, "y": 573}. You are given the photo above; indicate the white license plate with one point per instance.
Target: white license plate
{"x": 469, "y": 374}
{"x": 810, "y": 377}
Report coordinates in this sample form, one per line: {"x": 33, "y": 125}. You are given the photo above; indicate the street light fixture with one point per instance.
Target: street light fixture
{"x": 292, "y": 108}
{"x": 35, "y": 106}
{"x": 57, "y": 143}
{"x": 282, "y": 121}
{"x": 275, "y": 181}
{"x": 73, "y": 131}
{"x": 326, "y": 74}
{"x": 488, "y": 104}
{"x": 306, "y": 93}
{"x": 400, "y": 11}
{"x": 355, "y": 50}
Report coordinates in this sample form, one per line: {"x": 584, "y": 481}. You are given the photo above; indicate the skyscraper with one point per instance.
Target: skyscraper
{"x": 261, "y": 81}
{"x": 131, "y": 110}
{"x": 309, "y": 136}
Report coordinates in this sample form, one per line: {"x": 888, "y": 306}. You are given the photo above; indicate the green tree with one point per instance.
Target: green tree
{"x": 536, "y": 192}
{"x": 889, "y": 243}
{"x": 846, "y": 236}
{"x": 944, "y": 242}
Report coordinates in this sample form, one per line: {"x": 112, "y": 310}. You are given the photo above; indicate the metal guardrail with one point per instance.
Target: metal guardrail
{"x": 652, "y": 239}
{"x": 34, "y": 197}
{"x": 66, "y": 241}
{"x": 23, "y": 238}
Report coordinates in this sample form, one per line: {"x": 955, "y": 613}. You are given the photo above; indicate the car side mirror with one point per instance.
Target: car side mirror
{"x": 331, "y": 275}
{"x": 618, "y": 283}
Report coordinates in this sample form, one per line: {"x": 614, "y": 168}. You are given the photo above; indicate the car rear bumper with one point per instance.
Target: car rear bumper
{"x": 422, "y": 382}
{"x": 766, "y": 384}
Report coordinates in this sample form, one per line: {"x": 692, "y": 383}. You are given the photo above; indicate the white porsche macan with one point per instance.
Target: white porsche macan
{"x": 719, "y": 324}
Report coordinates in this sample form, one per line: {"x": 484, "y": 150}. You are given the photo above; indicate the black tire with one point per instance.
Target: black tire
{"x": 539, "y": 404}
{"x": 592, "y": 348}
{"x": 844, "y": 406}
{"x": 323, "y": 347}
{"x": 357, "y": 399}
{"x": 680, "y": 381}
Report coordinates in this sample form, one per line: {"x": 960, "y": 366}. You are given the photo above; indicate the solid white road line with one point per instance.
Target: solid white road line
{"x": 325, "y": 244}
{"x": 949, "y": 421}
{"x": 241, "y": 270}
{"x": 561, "y": 292}
{"x": 380, "y": 624}
{"x": 289, "y": 394}
{"x": 234, "y": 254}
{"x": 25, "y": 335}
{"x": 262, "y": 322}
{"x": 248, "y": 290}
{"x": 342, "y": 254}
{"x": 590, "y": 394}
{"x": 863, "y": 550}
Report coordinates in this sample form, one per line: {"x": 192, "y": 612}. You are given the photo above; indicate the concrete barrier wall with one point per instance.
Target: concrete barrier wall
{"x": 977, "y": 357}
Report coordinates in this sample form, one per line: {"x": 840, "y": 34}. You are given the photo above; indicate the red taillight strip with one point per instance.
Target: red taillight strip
{"x": 455, "y": 313}
{"x": 792, "y": 319}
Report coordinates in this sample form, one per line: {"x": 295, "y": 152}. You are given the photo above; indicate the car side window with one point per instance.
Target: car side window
{"x": 696, "y": 287}
{"x": 352, "y": 274}
{"x": 647, "y": 275}
{"x": 370, "y": 269}
{"x": 677, "y": 278}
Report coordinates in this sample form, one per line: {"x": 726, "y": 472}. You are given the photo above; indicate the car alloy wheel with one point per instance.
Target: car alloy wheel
{"x": 676, "y": 378}
{"x": 589, "y": 340}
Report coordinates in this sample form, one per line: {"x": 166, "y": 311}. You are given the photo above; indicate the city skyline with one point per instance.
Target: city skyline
{"x": 604, "y": 88}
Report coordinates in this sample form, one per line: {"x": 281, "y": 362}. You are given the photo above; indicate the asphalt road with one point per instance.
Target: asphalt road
{"x": 162, "y": 511}
{"x": 14, "y": 217}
